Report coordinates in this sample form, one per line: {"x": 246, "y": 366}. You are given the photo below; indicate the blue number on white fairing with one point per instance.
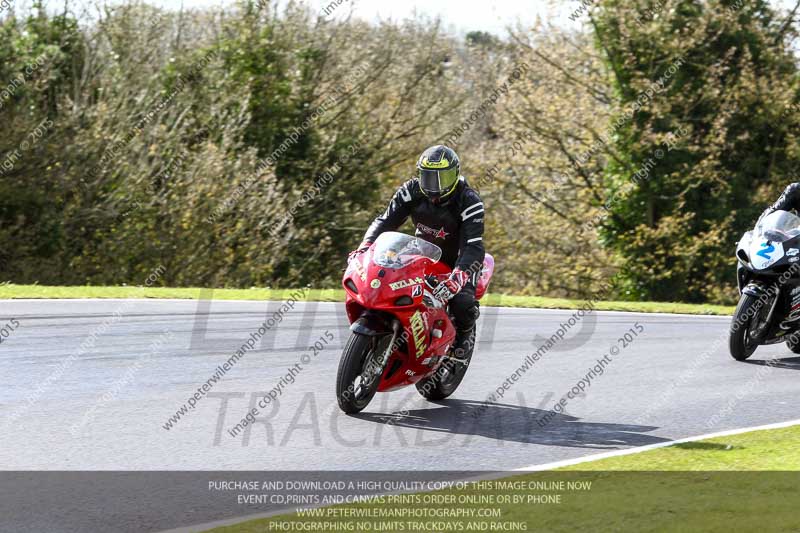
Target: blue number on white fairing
{"x": 766, "y": 249}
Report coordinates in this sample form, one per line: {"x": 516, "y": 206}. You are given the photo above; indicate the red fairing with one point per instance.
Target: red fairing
{"x": 486, "y": 276}
{"x": 427, "y": 331}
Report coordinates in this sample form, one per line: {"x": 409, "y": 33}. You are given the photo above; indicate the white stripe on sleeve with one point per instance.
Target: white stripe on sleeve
{"x": 472, "y": 210}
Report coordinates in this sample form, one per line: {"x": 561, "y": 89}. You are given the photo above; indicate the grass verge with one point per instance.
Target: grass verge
{"x": 13, "y": 291}
{"x": 765, "y": 450}
{"x": 736, "y": 483}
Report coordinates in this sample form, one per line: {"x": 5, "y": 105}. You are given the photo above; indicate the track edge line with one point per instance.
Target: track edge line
{"x": 656, "y": 446}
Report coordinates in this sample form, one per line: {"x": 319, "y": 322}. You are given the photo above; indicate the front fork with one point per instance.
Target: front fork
{"x": 379, "y": 363}
{"x": 741, "y": 277}
{"x": 761, "y": 292}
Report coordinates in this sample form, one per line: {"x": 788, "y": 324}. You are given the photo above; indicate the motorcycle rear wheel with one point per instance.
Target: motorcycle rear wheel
{"x": 360, "y": 371}
{"x": 740, "y": 343}
{"x": 445, "y": 380}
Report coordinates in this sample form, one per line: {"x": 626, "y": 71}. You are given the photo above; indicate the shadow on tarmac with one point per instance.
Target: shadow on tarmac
{"x": 514, "y": 423}
{"x": 792, "y": 363}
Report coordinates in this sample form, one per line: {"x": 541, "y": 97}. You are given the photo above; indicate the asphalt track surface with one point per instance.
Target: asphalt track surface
{"x": 105, "y": 407}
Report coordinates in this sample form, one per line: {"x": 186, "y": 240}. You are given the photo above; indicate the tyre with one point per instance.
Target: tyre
{"x": 793, "y": 342}
{"x": 746, "y": 319}
{"x": 445, "y": 380}
{"x": 360, "y": 371}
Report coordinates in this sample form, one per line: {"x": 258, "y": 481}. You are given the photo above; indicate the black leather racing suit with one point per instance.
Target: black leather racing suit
{"x": 455, "y": 226}
{"x": 790, "y": 199}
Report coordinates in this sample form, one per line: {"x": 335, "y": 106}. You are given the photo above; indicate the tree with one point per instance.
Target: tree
{"x": 705, "y": 131}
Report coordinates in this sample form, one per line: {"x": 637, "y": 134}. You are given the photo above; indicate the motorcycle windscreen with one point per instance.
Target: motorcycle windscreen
{"x": 766, "y": 247}
{"x": 778, "y": 226}
{"x": 396, "y": 250}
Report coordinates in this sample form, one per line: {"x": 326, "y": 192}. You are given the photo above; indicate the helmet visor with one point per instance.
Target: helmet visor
{"x": 438, "y": 182}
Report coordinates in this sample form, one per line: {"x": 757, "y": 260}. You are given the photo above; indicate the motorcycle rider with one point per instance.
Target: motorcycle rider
{"x": 790, "y": 199}
{"x": 448, "y": 213}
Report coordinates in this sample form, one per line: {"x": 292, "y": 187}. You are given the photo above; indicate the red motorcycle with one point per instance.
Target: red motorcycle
{"x": 401, "y": 334}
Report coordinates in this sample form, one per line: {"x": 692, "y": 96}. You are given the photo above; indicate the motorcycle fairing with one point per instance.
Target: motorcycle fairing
{"x": 764, "y": 253}
{"x": 384, "y": 294}
{"x": 486, "y": 276}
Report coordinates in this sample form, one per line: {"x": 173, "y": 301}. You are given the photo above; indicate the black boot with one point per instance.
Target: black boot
{"x": 464, "y": 344}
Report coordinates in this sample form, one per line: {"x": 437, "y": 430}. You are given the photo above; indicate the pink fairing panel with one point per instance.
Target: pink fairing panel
{"x": 486, "y": 276}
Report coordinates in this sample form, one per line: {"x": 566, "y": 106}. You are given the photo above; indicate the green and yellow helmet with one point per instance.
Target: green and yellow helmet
{"x": 439, "y": 169}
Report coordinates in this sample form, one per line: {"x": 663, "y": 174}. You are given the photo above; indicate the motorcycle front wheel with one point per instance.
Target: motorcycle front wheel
{"x": 746, "y": 320}
{"x": 360, "y": 370}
